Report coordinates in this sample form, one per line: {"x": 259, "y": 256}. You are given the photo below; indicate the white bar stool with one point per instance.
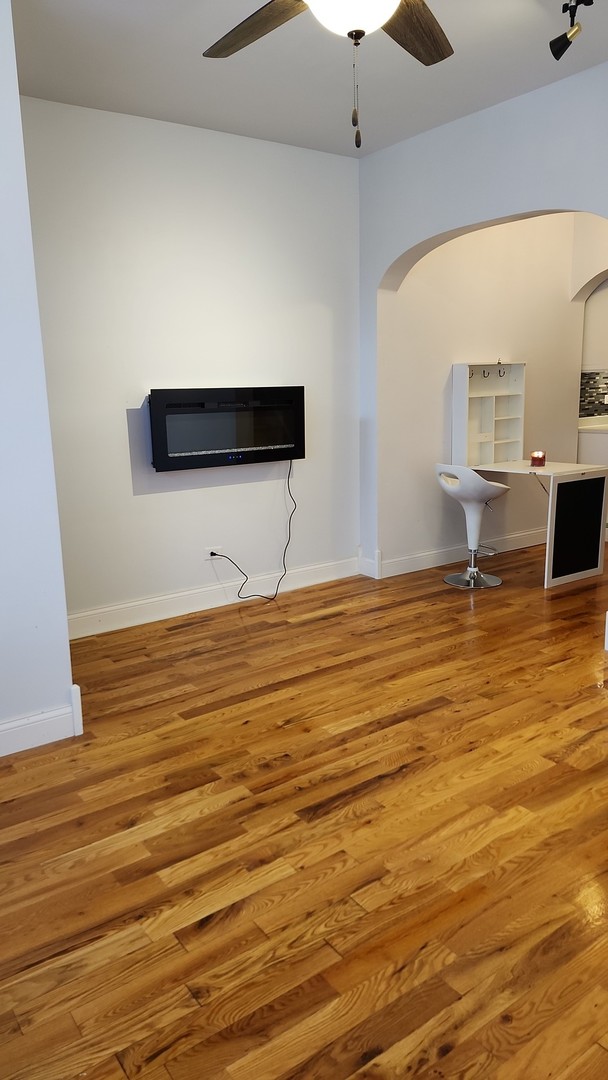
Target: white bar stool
{"x": 473, "y": 493}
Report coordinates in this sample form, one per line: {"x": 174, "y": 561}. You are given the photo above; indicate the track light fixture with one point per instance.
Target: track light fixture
{"x": 559, "y": 44}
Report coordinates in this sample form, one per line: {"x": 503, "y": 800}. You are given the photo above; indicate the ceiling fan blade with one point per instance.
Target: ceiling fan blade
{"x": 415, "y": 29}
{"x": 267, "y": 18}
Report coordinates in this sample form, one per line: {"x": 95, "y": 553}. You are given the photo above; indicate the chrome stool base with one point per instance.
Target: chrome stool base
{"x": 472, "y": 578}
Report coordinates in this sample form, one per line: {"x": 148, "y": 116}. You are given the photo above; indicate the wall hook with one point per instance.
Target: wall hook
{"x": 486, "y": 374}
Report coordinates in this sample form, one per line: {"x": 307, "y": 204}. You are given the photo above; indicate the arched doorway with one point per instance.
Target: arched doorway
{"x": 500, "y": 290}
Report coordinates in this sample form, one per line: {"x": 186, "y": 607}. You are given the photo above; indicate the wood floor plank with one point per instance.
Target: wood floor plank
{"x": 79, "y": 914}
{"x": 449, "y": 1062}
{"x": 231, "y": 1005}
{"x": 431, "y": 1041}
{"x": 591, "y": 1065}
{"x": 35, "y": 984}
{"x": 28, "y": 1055}
{"x": 344, "y": 1014}
{"x": 359, "y": 831}
{"x": 214, "y": 1054}
{"x": 107, "y": 1070}
{"x": 118, "y": 1014}
{"x": 561, "y": 1042}
{"x": 110, "y": 982}
{"x": 547, "y": 999}
{"x": 212, "y": 894}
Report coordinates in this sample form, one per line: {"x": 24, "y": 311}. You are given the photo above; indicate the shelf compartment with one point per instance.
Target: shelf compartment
{"x": 487, "y": 413}
{"x": 509, "y": 405}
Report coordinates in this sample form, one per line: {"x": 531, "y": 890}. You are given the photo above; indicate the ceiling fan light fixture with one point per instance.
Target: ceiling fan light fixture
{"x": 343, "y": 16}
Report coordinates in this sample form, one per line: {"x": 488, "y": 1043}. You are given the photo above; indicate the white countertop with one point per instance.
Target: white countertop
{"x": 593, "y": 423}
{"x": 551, "y": 468}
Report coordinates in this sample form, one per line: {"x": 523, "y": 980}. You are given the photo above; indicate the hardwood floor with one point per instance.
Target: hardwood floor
{"x": 359, "y": 832}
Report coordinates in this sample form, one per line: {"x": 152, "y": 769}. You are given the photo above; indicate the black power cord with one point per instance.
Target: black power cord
{"x": 260, "y": 596}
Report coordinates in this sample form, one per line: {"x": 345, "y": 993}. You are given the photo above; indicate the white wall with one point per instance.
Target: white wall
{"x": 593, "y": 445}
{"x": 590, "y": 255}
{"x": 171, "y": 256}
{"x": 595, "y": 340}
{"x": 544, "y": 151}
{"x": 37, "y": 701}
{"x": 496, "y": 293}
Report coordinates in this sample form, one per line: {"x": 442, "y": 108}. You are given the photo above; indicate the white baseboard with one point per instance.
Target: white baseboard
{"x": 425, "y": 560}
{"x": 167, "y": 606}
{"x": 26, "y": 732}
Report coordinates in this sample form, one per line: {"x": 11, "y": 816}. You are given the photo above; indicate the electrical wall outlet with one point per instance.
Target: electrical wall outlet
{"x": 217, "y": 548}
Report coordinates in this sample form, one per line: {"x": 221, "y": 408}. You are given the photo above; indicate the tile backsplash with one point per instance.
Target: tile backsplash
{"x": 594, "y": 388}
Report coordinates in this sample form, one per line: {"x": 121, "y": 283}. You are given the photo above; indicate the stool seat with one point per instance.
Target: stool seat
{"x": 474, "y": 493}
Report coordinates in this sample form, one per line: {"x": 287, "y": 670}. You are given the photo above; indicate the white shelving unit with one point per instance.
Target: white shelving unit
{"x": 487, "y": 413}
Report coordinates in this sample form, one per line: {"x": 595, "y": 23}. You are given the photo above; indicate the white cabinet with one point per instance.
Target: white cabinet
{"x": 593, "y": 447}
{"x": 487, "y": 413}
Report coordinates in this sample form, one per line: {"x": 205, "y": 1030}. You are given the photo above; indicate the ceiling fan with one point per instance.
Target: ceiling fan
{"x": 410, "y": 23}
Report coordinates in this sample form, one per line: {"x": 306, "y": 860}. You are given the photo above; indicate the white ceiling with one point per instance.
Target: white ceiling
{"x": 295, "y": 85}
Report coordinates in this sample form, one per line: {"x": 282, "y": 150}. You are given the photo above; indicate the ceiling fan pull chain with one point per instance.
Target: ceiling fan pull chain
{"x": 355, "y": 115}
